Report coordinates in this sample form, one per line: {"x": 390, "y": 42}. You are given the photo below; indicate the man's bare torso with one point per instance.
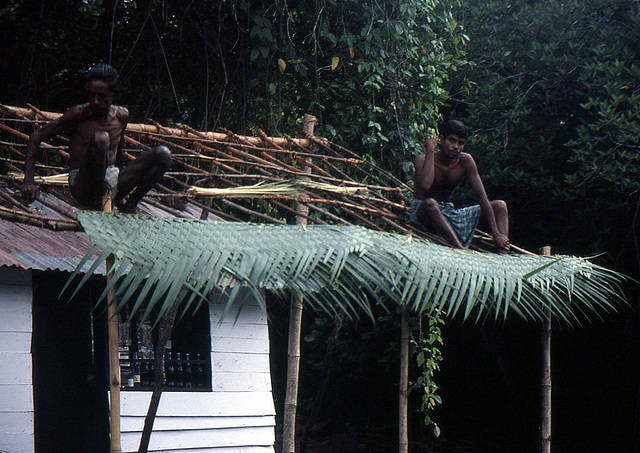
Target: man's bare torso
{"x": 86, "y": 124}
{"x": 446, "y": 177}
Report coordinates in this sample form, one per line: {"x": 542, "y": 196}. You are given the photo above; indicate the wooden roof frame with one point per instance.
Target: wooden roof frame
{"x": 370, "y": 196}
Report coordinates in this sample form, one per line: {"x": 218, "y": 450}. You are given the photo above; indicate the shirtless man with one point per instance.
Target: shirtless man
{"x": 96, "y": 135}
{"x": 437, "y": 175}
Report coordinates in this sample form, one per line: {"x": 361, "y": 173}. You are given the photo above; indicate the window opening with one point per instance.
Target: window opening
{"x": 187, "y": 360}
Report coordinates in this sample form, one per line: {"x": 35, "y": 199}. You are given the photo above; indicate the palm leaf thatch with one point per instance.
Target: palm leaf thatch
{"x": 338, "y": 268}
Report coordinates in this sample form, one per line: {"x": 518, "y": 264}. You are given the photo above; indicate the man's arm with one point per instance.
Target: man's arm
{"x": 471, "y": 171}
{"x": 29, "y": 190}
{"x": 424, "y": 165}
{"x": 124, "y": 119}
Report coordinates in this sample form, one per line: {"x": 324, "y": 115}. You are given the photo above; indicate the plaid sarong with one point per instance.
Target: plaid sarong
{"x": 464, "y": 221}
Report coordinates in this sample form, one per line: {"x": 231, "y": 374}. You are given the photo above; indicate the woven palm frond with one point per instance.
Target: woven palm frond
{"x": 339, "y": 268}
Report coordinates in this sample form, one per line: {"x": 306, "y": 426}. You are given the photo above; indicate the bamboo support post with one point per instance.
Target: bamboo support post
{"x": 403, "y": 405}
{"x": 545, "y": 425}
{"x": 295, "y": 332}
{"x": 114, "y": 353}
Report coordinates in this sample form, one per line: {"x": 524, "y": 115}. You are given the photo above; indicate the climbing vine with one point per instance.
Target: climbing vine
{"x": 427, "y": 356}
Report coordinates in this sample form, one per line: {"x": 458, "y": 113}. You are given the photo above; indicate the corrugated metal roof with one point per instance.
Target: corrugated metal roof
{"x": 42, "y": 262}
{"x": 34, "y": 247}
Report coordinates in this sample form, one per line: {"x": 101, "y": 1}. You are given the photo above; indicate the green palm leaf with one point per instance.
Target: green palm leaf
{"x": 339, "y": 268}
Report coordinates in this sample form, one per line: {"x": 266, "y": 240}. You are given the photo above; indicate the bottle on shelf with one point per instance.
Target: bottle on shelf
{"x": 144, "y": 373}
{"x": 199, "y": 372}
{"x": 169, "y": 371}
{"x": 188, "y": 372}
{"x": 136, "y": 370}
{"x": 179, "y": 371}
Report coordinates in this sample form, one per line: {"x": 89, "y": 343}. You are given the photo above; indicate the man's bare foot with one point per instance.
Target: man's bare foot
{"x": 127, "y": 208}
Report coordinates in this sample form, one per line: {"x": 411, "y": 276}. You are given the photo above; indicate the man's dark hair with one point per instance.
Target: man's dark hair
{"x": 104, "y": 72}
{"x": 454, "y": 127}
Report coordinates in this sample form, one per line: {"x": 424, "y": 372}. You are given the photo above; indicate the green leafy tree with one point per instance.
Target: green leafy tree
{"x": 555, "y": 87}
{"x": 371, "y": 71}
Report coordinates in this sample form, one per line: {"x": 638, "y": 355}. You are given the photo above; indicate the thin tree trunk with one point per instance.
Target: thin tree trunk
{"x": 545, "y": 426}
{"x": 164, "y": 332}
{"x": 295, "y": 329}
{"x": 403, "y": 428}
{"x": 114, "y": 354}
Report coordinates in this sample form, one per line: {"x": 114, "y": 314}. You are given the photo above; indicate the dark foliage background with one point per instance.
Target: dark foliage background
{"x": 550, "y": 89}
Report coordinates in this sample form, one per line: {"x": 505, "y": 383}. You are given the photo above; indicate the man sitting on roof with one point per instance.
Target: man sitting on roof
{"x": 436, "y": 177}
{"x": 96, "y": 135}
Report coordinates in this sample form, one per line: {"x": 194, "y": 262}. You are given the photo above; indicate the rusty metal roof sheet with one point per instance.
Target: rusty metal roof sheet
{"x": 34, "y": 247}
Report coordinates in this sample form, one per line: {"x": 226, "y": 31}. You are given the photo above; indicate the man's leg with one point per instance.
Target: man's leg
{"x": 501, "y": 214}
{"x": 88, "y": 185}
{"x": 429, "y": 211}
{"x": 139, "y": 176}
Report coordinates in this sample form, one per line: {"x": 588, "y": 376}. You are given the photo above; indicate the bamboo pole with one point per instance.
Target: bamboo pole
{"x": 148, "y": 128}
{"x": 545, "y": 425}
{"x": 52, "y": 223}
{"x": 114, "y": 353}
{"x": 403, "y": 406}
{"x": 295, "y": 332}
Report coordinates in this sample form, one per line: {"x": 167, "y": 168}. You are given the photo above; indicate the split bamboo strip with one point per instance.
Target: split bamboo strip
{"x": 383, "y": 172}
{"x": 274, "y": 159}
{"x": 276, "y": 188}
{"x": 488, "y": 239}
{"x": 333, "y": 217}
{"x": 390, "y": 222}
{"x": 224, "y": 215}
{"x": 260, "y": 188}
{"x": 302, "y": 161}
{"x": 246, "y": 155}
{"x": 61, "y": 179}
{"x": 169, "y": 210}
{"x": 364, "y": 220}
{"x": 252, "y": 212}
{"x": 348, "y": 207}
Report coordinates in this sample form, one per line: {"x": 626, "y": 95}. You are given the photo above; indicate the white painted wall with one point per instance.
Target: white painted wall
{"x": 16, "y": 389}
{"x": 238, "y": 416}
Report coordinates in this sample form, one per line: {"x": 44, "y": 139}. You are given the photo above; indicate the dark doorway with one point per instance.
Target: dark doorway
{"x": 69, "y": 369}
